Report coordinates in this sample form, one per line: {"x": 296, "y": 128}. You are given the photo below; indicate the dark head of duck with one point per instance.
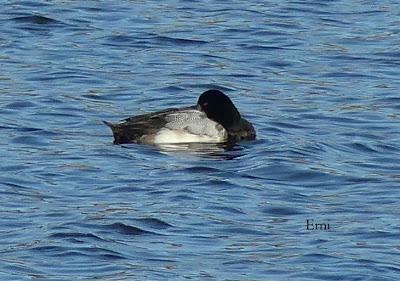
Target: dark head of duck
{"x": 219, "y": 107}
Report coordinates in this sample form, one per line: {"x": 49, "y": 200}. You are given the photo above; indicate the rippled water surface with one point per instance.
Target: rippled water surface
{"x": 318, "y": 79}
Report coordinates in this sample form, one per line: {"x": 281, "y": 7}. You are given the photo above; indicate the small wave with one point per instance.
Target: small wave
{"x": 243, "y": 230}
{"x": 362, "y": 147}
{"x": 92, "y": 252}
{"x": 155, "y": 223}
{"x": 36, "y": 19}
{"x": 179, "y": 41}
{"x": 281, "y": 211}
{"x": 29, "y": 140}
{"x": 20, "y": 104}
{"x": 199, "y": 169}
{"x": 229, "y": 210}
{"x": 75, "y": 235}
{"x": 127, "y": 229}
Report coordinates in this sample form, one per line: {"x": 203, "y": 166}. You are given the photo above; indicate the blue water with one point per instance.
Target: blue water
{"x": 318, "y": 79}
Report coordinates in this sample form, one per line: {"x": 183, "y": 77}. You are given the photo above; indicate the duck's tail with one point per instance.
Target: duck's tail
{"x": 114, "y": 130}
{"x": 111, "y": 125}
{"x": 118, "y": 133}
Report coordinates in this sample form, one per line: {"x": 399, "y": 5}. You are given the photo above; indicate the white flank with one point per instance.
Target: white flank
{"x": 181, "y": 136}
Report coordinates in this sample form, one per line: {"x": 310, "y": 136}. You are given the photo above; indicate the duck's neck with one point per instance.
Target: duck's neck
{"x": 230, "y": 118}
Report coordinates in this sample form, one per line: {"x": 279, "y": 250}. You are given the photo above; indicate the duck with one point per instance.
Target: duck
{"x": 214, "y": 119}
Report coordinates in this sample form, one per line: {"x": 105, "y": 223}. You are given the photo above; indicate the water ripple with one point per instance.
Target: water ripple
{"x": 36, "y": 19}
{"x": 319, "y": 81}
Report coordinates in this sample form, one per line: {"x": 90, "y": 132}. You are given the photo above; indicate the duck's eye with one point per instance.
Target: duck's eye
{"x": 205, "y": 104}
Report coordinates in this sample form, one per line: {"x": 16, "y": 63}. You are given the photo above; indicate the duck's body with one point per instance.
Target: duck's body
{"x": 214, "y": 119}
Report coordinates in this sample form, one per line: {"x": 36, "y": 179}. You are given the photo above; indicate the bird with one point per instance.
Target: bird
{"x": 214, "y": 119}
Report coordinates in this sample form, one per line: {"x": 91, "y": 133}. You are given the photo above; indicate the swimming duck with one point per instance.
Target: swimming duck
{"x": 214, "y": 119}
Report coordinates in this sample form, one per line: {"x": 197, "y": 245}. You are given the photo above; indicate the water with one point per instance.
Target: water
{"x": 319, "y": 81}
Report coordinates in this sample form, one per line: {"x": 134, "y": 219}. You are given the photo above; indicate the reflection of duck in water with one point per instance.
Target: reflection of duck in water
{"x": 214, "y": 119}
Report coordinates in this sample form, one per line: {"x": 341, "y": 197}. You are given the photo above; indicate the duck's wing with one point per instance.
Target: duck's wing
{"x": 155, "y": 116}
{"x": 194, "y": 122}
{"x": 135, "y": 128}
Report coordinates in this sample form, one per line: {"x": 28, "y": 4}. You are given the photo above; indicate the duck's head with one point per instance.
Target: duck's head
{"x": 219, "y": 107}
